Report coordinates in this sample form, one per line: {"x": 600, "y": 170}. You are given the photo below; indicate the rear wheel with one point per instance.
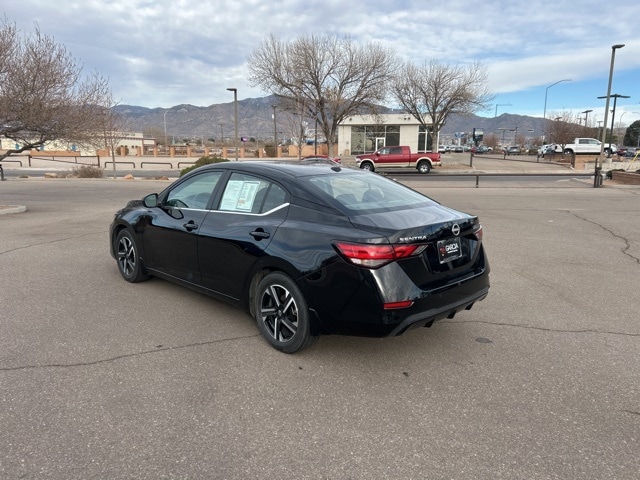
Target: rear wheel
{"x": 424, "y": 167}
{"x": 128, "y": 258}
{"x": 282, "y": 313}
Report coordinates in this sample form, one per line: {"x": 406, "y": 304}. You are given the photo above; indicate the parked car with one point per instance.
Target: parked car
{"x": 513, "y": 150}
{"x": 458, "y": 149}
{"x": 549, "y": 148}
{"x": 306, "y": 249}
{"x": 482, "y": 149}
{"x": 442, "y": 149}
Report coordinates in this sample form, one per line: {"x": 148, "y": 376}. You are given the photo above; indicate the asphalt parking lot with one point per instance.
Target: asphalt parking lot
{"x": 103, "y": 379}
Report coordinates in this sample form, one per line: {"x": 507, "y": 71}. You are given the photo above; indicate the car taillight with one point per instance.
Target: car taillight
{"x": 375, "y": 256}
{"x": 479, "y": 233}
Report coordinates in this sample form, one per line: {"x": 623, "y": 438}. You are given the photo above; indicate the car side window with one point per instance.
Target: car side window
{"x": 195, "y": 192}
{"x": 248, "y": 194}
{"x": 396, "y": 150}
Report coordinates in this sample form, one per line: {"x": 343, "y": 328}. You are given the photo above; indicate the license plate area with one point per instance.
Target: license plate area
{"x": 449, "y": 249}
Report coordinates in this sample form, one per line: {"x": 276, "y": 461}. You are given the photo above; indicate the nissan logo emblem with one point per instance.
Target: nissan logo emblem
{"x": 455, "y": 229}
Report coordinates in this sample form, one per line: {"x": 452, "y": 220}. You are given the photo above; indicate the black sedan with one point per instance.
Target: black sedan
{"x": 306, "y": 249}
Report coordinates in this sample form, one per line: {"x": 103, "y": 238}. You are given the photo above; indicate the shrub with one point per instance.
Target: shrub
{"x": 270, "y": 150}
{"x": 202, "y": 161}
{"x": 88, "y": 171}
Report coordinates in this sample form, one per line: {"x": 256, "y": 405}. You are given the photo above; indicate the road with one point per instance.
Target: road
{"x": 103, "y": 379}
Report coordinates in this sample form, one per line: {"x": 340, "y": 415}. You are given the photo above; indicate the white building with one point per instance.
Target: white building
{"x": 366, "y": 133}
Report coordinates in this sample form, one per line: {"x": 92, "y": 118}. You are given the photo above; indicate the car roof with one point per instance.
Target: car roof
{"x": 291, "y": 168}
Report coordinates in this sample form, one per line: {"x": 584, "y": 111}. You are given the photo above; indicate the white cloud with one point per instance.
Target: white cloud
{"x": 164, "y": 53}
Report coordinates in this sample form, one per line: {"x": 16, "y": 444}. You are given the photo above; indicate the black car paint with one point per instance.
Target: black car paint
{"x": 298, "y": 240}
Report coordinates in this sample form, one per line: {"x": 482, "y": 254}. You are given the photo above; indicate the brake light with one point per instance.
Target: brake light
{"x": 375, "y": 256}
{"x": 479, "y": 233}
{"x": 397, "y": 305}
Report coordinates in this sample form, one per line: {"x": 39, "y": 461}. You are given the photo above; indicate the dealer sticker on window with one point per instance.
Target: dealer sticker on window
{"x": 449, "y": 249}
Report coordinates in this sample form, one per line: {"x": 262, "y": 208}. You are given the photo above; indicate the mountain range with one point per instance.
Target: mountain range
{"x": 255, "y": 120}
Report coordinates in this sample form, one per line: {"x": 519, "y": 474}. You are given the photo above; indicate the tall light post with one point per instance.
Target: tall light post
{"x": 546, "y": 94}
{"x": 586, "y": 116}
{"x": 235, "y": 104}
{"x": 275, "y": 133}
{"x": 165, "y": 129}
{"x": 606, "y": 107}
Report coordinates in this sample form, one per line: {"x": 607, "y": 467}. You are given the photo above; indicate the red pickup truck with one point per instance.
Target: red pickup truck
{"x": 398, "y": 157}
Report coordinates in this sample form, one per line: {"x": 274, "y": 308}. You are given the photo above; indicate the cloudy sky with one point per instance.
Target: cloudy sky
{"x": 161, "y": 53}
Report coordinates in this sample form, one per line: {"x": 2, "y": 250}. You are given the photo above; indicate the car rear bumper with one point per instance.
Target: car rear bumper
{"x": 428, "y": 317}
{"x": 365, "y": 316}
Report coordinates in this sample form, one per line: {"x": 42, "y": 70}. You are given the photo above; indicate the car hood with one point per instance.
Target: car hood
{"x": 414, "y": 225}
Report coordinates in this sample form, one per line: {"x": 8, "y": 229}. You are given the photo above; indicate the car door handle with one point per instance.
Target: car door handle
{"x": 259, "y": 234}
{"x": 190, "y": 225}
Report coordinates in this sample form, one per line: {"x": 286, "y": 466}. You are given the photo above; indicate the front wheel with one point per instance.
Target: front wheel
{"x": 128, "y": 258}
{"x": 282, "y": 313}
{"x": 424, "y": 167}
{"x": 367, "y": 166}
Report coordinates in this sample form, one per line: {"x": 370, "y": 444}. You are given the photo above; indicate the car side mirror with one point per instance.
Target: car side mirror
{"x": 150, "y": 200}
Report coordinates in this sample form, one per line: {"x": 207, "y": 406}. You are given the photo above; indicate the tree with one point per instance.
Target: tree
{"x": 563, "y": 129}
{"x": 43, "y": 97}
{"x": 433, "y": 91}
{"x": 322, "y": 77}
{"x": 632, "y": 135}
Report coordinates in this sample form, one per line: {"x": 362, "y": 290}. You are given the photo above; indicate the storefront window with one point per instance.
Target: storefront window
{"x": 424, "y": 139}
{"x": 368, "y": 138}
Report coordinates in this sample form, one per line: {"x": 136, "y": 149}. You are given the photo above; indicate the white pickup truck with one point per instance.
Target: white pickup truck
{"x": 581, "y": 146}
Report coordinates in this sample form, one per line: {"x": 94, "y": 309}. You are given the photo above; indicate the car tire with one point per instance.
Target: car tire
{"x": 282, "y": 313}
{"x": 367, "y": 166}
{"x": 128, "y": 258}
{"x": 424, "y": 167}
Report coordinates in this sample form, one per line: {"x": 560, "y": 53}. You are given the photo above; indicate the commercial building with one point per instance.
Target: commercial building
{"x": 366, "y": 133}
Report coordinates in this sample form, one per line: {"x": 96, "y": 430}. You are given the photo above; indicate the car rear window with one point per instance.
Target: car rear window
{"x": 363, "y": 192}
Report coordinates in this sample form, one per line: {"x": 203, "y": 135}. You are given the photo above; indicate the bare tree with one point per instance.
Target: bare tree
{"x": 563, "y": 129}
{"x": 43, "y": 96}
{"x": 433, "y": 91}
{"x": 112, "y": 127}
{"x": 323, "y": 77}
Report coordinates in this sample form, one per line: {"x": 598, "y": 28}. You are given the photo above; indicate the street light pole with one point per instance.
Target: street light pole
{"x": 606, "y": 107}
{"x": 275, "y": 133}
{"x": 586, "y": 116}
{"x": 235, "y": 104}
{"x": 546, "y": 93}
{"x": 165, "y": 129}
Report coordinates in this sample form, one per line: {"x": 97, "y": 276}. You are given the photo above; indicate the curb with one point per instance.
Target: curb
{"x": 8, "y": 209}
